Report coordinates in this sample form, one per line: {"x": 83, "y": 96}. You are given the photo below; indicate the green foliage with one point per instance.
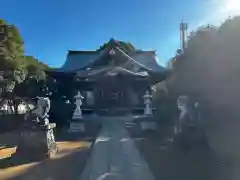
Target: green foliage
{"x": 12, "y": 52}
{"x": 12, "y": 56}
{"x": 209, "y": 67}
{"x": 35, "y": 68}
{"x": 125, "y": 46}
{"x": 12, "y": 59}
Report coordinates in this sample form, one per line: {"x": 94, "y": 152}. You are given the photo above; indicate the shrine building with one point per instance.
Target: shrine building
{"x": 110, "y": 80}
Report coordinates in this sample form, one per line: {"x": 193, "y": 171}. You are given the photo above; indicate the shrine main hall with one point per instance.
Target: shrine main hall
{"x": 111, "y": 79}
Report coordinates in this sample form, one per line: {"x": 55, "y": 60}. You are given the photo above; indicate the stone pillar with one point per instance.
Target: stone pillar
{"x": 77, "y": 124}
{"x": 37, "y": 141}
{"x": 148, "y": 103}
{"x": 37, "y": 134}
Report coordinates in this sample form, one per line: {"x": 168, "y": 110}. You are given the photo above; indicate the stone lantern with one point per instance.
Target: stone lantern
{"x": 77, "y": 123}
{"x": 148, "y": 122}
{"x": 78, "y": 111}
{"x": 148, "y": 103}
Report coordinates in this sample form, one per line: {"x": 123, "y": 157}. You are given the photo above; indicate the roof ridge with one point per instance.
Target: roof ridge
{"x": 145, "y": 51}
{"x": 82, "y": 51}
{"x": 98, "y": 52}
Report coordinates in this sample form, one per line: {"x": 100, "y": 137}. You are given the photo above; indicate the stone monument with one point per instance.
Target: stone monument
{"x": 188, "y": 113}
{"x": 77, "y": 124}
{"x": 148, "y": 123}
{"x": 189, "y": 130}
{"x": 37, "y": 134}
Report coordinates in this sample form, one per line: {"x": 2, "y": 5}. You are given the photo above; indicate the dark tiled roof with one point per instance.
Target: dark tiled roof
{"x": 78, "y": 59}
{"x": 82, "y": 52}
{"x": 81, "y": 59}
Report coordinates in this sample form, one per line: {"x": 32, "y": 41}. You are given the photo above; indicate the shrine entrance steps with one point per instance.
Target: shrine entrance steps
{"x": 114, "y": 156}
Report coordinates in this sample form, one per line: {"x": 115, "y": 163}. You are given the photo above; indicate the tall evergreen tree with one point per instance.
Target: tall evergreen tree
{"x": 12, "y": 56}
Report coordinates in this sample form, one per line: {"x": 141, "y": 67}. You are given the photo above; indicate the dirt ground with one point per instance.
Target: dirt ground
{"x": 168, "y": 162}
{"x": 67, "y": 164}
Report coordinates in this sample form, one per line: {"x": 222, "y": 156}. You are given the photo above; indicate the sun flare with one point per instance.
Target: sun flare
{"x": 232, "y": 6}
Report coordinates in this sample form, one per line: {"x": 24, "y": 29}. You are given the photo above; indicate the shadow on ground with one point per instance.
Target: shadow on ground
{"x": 167, "y": 161}
{"x": 73, "y": 151}
{"x": 65, "y": 166}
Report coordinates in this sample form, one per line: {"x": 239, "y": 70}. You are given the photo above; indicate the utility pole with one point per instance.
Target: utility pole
{"x": 183, "y": 35}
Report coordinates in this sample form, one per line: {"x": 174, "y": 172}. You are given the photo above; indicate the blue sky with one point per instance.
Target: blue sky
{"x": 51, "y": 27}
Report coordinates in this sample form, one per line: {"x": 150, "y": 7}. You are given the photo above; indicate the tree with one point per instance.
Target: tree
{"x": 209, "y": 67}
{"x": 12, "y": 56}
{"x": 125, "y": 46}
{"x": 35, "y": 68}
{"x": 13, "y": 60}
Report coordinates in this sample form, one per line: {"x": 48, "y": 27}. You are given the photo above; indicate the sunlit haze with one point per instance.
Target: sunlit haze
{"x": 232, "y": 6}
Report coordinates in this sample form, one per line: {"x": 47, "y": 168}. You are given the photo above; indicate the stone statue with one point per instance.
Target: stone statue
{"x": 148, "y": 103}
{"x": 182, "y": 105}
{"x": 78, "y": 112}
{"x": 187, "y": 113}
{"x": 43, "y": 108}
{"x": 38, "y": 138}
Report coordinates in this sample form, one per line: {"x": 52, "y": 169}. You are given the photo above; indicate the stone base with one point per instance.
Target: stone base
{"x": 37, "y": 142}
{"x": 77, "y": 117}
{"x": 148, "y": 112}
{"x": 77, "y": 127}
{"x": 148, "y": 126}
{"x": 77, "y": 114}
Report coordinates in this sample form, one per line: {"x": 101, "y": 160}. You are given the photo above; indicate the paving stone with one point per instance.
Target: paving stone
{"x": 115, "y": 156}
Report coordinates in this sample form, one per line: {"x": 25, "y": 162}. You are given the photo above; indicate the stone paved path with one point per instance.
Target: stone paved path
{"x": 115, "y": 157}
